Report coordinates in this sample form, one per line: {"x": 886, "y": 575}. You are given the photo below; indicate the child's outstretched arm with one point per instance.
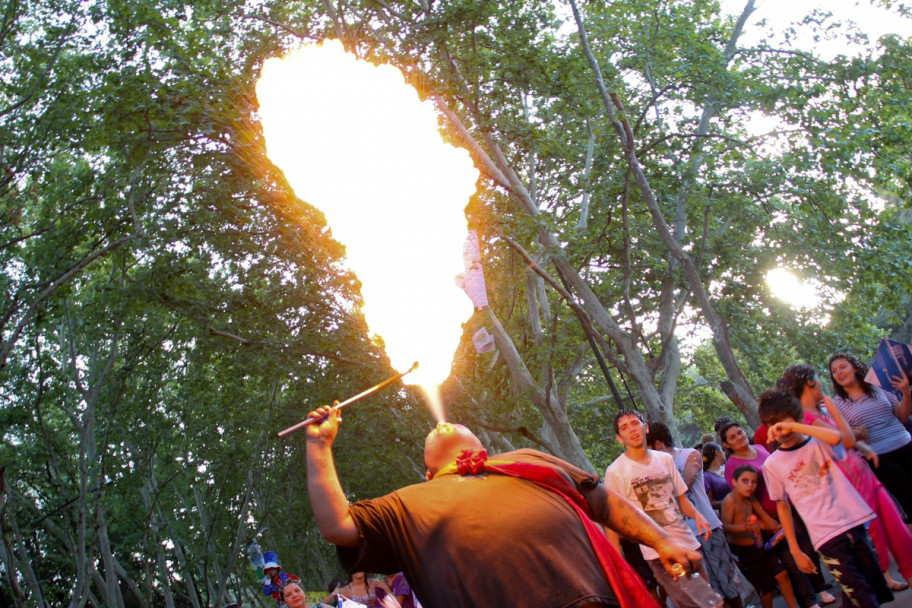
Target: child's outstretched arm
{"x": 785, "y": 518}
{"x": 824, "y": 433}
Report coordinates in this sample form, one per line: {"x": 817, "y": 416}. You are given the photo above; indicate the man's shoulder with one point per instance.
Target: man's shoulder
{"x": 530, "y": 456}
{"x": 685, "y": 454}
{"x": 664, "y": 458}
{"x": 620, "y": 463}
{"x": 779, "y": 458}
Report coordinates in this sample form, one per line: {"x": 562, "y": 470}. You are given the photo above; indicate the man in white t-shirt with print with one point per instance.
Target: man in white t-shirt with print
{"x": 650, "y": 480}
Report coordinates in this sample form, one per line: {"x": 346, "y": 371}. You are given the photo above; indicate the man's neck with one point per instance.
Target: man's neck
{"x": 639, "y": 454}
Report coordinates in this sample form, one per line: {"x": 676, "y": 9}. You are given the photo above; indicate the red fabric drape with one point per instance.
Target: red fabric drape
{"x": 626, "y": 583}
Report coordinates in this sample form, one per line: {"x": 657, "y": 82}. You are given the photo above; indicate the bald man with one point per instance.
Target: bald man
{"x": 514, "y": 530}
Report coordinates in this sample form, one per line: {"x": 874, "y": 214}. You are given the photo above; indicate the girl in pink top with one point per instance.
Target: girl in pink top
{"x": 802, "y": 381}
{"x": 743, "y": 452}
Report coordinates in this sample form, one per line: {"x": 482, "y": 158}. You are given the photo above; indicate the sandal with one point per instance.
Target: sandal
{"x": 826, "y": 597}
{"x": 898, "y": 586}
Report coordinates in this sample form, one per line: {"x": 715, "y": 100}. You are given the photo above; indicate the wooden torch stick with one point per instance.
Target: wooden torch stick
{"x": 339, "y": 406}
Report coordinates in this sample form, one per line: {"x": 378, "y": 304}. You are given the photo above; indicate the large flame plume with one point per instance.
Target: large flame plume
{"x": 356, "y": 141}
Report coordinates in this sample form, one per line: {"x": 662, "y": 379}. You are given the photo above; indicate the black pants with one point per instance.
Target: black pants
{"x": 852, "y": 562}
{"x": 895, "y": 473}
{"x": 806, "y": 586}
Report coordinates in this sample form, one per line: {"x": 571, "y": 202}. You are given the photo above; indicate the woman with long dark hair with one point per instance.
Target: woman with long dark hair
{"x": 877, "y": 416}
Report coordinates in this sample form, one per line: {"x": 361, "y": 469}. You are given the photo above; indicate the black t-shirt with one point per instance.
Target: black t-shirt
{"x": 487, "y": 540}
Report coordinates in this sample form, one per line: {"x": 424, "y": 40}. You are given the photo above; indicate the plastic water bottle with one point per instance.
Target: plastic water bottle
{"x": 774, "y": 540}
{"x": 698, "y": 590}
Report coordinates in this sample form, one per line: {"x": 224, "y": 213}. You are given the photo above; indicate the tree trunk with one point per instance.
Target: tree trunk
{"x": 7, "y": 553}
{"x": 747, "y": 402}
{"x": 565, "y": 443}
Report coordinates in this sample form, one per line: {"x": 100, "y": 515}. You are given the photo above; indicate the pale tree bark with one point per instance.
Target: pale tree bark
{"x": 156, "y": 524}
{"x": 489, "y": 157}
{"x": 13, "y": 543}
{"x": 223, "y": 574}
{"x": 110, "y": 584}
{"x": 563, "y": 441}
{"x": 633, "y": 364}
{"x": 88, "y": 385}
{"x": 131, "y": 584}
{"x": 184, "y": 565}
{"x": 583, "y": 222}
{"x": 11, "y": 337}
{"x": 739, "y": 385}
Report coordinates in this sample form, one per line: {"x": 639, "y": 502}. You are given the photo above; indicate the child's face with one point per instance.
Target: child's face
{"x": 783, "y": 433}
{"x": 813, "y": 388}
{"x": 746, "y": 485}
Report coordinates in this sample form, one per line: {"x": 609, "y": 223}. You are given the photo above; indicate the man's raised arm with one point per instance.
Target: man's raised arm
{"x": 328, "y": 501}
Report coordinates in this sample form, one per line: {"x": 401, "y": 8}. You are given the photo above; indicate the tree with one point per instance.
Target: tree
{"x": 170, "y": 304}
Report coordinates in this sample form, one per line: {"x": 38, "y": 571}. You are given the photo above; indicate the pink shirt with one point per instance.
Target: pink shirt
{"x": 854, "y": 466}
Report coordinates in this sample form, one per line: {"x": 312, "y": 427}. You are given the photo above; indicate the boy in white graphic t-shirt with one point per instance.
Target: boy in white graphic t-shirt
{"x": 803, "y": 470}
{"x": 650, "y": 480}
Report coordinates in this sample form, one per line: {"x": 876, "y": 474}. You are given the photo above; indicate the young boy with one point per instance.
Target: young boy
{"x": 761, "y": 567}
{"x": 650, "y": 480}
{"x": 803, "y": 471}
{"x": 806, "y": 586}
{"x": 720, "y": 565}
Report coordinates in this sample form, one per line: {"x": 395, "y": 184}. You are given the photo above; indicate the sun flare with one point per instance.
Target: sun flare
{"x": 786, "y": 286}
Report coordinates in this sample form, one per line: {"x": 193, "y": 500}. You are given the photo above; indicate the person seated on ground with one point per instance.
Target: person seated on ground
{"x": 742, "y": 519}
{"x": 363, "y": 590}
{"x": 475, "y": 532}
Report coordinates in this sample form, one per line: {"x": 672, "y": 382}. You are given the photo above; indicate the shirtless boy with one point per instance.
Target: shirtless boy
{"x": 761, "y": 567}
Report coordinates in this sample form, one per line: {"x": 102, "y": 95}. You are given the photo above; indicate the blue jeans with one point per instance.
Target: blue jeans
{"x": 854, "y": 566}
